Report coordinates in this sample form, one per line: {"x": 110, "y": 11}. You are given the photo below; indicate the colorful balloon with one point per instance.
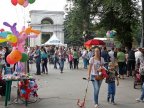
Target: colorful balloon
{"x": 24, "y": 57}
{"x": 2, "y": 30}
{"x": 9, "y": 60}
{"x": 25, "y": 3}
{"x": 11, "y": 38}
{"x": 4, "y": 34}
{"x": 21, "y": 2}
{"x": 2, "y": 40}
{"x": 14, "y": 2}
{"x": 30, "y": 30}
{"x": 14, "y": 44}
{"x": 16, "y": 55}
{"x": 20, "y": 48}
{"x": 31, "y": 1}
{"x": 13, "y": 28}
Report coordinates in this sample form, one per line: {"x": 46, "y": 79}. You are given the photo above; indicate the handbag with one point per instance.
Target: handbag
{"x": 102, "y": 74}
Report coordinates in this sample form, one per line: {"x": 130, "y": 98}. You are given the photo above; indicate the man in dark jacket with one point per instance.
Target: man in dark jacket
{"x": 131, "y": 63}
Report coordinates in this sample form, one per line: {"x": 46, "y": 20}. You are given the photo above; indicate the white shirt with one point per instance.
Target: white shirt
{"x": 138, "y": 55}
{"x": 111, "y": 54}
{"x": 95, "y": 63}
{"x": 84, "y": 53}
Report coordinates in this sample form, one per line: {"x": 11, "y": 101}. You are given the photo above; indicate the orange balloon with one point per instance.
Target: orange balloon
{"x": 9, "y": 60}
{"x": 30, "y": 30}
{"x": 36, "y": 31}
{"x": 21, "y": 2}
{"x": 16, "y": 55}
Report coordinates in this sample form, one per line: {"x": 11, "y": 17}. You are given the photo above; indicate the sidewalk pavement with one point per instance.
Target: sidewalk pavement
{"x": 58, "y": 90}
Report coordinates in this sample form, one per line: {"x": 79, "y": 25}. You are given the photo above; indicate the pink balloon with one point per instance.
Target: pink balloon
{"x": 21, "y": 48}
{"x": 22, "y": 37}
{"x": 25, "y": 3}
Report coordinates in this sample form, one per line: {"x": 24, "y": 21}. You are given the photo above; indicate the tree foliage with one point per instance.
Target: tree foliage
{"x": 98, "y": 16}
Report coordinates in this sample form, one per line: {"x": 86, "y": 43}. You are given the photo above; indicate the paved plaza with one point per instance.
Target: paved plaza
{"x": 58, "y": 90}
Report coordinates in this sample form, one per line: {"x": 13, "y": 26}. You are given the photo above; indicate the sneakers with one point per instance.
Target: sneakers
{"x": 139, "y": 100}
{"x": 113, "y": 103}
{"x": 96, "y": 106}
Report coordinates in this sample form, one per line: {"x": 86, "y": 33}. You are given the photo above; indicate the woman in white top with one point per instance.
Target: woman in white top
{"x": 95, "y": 65}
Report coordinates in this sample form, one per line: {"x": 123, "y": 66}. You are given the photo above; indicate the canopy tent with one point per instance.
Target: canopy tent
{"x": 53, "y": 41}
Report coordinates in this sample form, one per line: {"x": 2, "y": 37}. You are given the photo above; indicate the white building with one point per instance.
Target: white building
{"x": 48, "y": 22}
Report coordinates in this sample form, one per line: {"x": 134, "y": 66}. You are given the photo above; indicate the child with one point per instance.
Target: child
{"x": 112, "y": 75}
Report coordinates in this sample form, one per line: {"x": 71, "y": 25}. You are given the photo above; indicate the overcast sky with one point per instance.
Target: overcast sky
{"x": 20, "y": 15}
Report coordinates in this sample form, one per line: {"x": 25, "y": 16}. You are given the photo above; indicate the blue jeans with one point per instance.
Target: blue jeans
{"x": 85, "y": 63}
{"x": 142, "y": 95}
{"x": 111, "y": 91}
{"x": 61, "y": 62}
{"x": 96, "y": 86}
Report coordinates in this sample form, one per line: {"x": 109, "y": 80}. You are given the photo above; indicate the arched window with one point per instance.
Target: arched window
{"x": 47, "y": 21}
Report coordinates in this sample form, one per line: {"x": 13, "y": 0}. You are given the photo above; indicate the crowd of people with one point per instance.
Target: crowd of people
{"x": 119, "y": 62}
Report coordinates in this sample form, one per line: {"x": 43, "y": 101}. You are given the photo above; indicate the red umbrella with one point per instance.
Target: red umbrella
{"x": 94, "y": 42}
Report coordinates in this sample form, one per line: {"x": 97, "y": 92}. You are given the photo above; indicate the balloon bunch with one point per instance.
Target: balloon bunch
{"x": 23, "y": 3}
{"x": 17, "y": 40}
{"x": 24, "y": 89}
{"x": 111, "y": 34}
{"x": 27, "y": 88}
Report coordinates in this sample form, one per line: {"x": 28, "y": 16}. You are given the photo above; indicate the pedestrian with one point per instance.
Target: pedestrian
{"x": 62, "y": 58}
{"x": 141, "y": 69}
{"x": 121, "y": 62}
{"x": 1, "y": 63}
{"x": 2, "y": 86}
{"x": 110, "y": 80}
{"x": 75, "y": 57}
{"x": 56, "y": 58}
{"x": 44, "y": 60}
{"x": 95, "y": 64}
{"x": 111, "y": 54}
{"x": 37, "y": 57}
{"x": 7, "y": 52}
{"x": 84, "y": 55}
{"x": 70, "y": 59}
{"x": 131, "y": 63}
{"x": 105, "y": 55}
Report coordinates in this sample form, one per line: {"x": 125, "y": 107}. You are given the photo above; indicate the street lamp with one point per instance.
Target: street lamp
{"x": 28, "y": 42}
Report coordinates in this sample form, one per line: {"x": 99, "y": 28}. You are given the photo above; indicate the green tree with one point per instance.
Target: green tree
{"x": 99, "y": 16}
{"x": 121, "y": 15}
